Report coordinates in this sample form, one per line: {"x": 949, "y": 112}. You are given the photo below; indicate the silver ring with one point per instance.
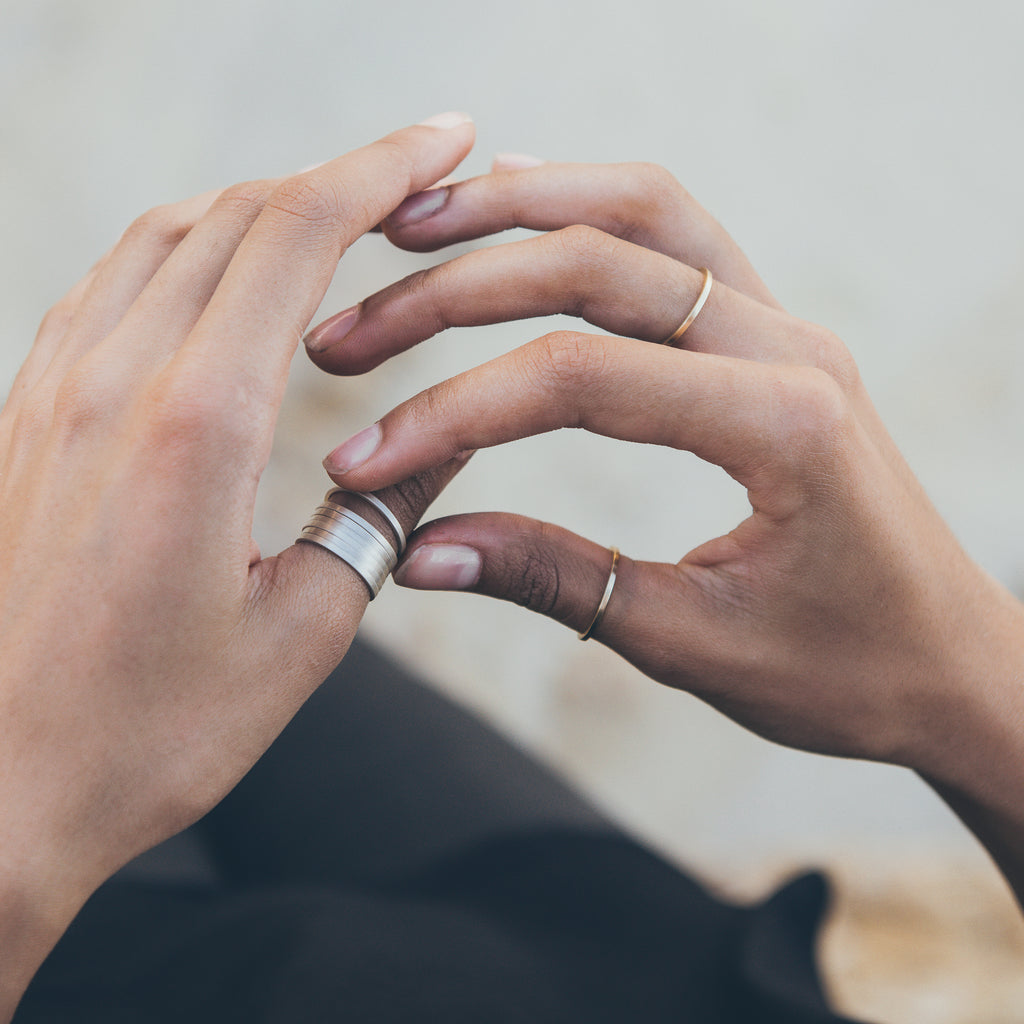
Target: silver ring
{"x": 379, "y": 505}
{"x": 355, "y": 541}
{"x": 327, "y": 515}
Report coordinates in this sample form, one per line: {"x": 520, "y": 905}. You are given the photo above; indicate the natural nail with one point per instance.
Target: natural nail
{"x": 331, "y": 331}
{"x": 450, "y": 119}
{"x": 419, "y": 207}
{"x": 515, "y": 161}
{"x": 440, "y": 567}
{"x": 355, "y": 451}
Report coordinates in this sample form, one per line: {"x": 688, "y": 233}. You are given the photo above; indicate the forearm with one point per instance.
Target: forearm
{"x": 974, "y": 758}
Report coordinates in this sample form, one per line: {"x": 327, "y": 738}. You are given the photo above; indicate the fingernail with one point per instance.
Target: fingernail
{"x": 515, "y": 161}
{"x": 331, "y": 331}
{"x": 355, "y": 451}
{"x": 451, "y": 119}
{"x": 419, "y": 207}
{"x": 440, "y": 567}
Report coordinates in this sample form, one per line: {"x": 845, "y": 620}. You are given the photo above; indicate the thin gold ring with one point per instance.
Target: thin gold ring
{"x": 605, "y": 598}
{"x": 694, "y": 311}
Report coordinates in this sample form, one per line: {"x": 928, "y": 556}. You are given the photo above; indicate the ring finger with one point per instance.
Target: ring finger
{"x": 613, "y": 284}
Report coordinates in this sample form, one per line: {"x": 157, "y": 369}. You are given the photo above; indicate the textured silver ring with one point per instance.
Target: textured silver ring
{"x": 379, "y": 505}
{"x": 354, "y": 540}
{"x": 337, "y": 513}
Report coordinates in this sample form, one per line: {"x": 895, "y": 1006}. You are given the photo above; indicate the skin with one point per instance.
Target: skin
{"x": 841, "y": 617}
{"x": 148, "y": 653}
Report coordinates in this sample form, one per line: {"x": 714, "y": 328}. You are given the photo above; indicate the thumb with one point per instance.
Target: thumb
{"x": 537, "y": 565}
{"x": 655, "y": 615}
{"x": 310, "y": 601}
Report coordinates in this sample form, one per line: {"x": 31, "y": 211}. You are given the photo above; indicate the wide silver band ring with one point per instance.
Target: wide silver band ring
{"x": 379, "y": 505}
{"x": 354, "y": 540}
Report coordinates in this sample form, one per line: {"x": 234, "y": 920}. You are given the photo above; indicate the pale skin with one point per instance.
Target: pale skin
{"x": 148, "y": 653}
{"x": 841, "y": 617}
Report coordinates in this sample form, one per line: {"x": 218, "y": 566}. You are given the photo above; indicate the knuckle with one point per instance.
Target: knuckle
{"x": 648, "y": 190}
{"x": 439, "y": 404}
{"x": 187, "y": 409}
{"x": 828, "y": 353}
{"x": 568, "y": 361}
{"x": 652, "y": 182}
{"x": 308, "y": 199}
{"x": 57, "y": 319}
{"x": 246, "y": 198}
{"x": 162, "y": 227}
{"x": 409, "y": 499}
{"x": 584, "y": 244}
{"x": 534, "y": 579}
{"x": 813, "y": 414}
{"x": 429, "y": 291}
{"x": 83, "y": 398}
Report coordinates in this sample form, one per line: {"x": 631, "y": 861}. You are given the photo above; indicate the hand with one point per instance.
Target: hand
{"x": 841, "y": 616}
{"x": 148, "y": 654}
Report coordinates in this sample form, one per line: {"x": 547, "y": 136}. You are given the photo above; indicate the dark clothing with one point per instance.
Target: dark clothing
{"x": 392, "y": 859}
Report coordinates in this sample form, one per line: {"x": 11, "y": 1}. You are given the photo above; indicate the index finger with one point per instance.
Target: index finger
{"x": 282, "y": 268}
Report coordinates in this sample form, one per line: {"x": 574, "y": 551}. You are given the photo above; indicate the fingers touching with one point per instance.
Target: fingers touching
{"x": 319, "y": 597}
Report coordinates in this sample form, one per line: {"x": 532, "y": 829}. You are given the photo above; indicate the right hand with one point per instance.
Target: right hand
{"x": 842, "y": 616}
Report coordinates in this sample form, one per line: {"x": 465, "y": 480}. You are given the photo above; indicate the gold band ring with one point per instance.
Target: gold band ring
{"x": 605, "y": 598}
{"x": 694, "y": 311}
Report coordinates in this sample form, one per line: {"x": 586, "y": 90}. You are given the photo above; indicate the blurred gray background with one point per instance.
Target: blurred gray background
{"x": 866, "y": 153}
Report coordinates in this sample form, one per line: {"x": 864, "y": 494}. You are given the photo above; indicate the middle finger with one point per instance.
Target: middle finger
{"x": 638, "y": 202}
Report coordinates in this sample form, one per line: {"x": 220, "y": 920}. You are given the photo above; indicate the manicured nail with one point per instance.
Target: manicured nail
{"x": 331, "y": 331}
{"x": 515, "y": 161}
{"x": 419, "y": 207}
{"x": 440, "y": 567}
{"x": 355, "y": 451}
{"x": 451, "y": 119}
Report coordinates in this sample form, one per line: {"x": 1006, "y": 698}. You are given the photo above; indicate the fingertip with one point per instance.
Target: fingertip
{"x": 448, "y": 120}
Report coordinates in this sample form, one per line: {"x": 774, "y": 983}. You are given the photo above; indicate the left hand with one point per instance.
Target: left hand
{"x": 148, "y": 654}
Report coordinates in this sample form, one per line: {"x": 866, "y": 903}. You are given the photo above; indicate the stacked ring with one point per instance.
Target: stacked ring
{"x": 354, "y": 540}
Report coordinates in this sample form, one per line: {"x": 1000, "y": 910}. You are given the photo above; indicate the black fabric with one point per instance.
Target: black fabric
{"x": 309, "y": 895}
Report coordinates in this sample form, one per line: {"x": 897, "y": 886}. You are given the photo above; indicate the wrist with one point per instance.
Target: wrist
{"x": 970, "y": 743}
{"x": 971, "y": 731}
{"x": 38, "y": 901}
